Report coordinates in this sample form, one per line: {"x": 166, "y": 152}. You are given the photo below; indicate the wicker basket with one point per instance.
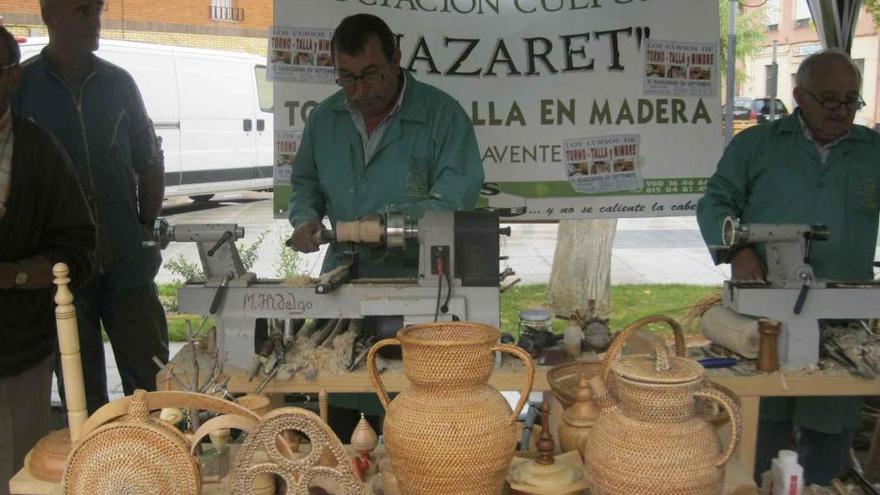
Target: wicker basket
{"x": 566, "y": 382}
{"x": 450, "y": 432}
{"x": 650, "y": 437}
{"x": 139, "y": 455}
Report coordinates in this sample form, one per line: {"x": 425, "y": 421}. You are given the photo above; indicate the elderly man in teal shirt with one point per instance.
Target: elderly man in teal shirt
{"x": 384, "y": 143}
{"x": 813, "y": 167}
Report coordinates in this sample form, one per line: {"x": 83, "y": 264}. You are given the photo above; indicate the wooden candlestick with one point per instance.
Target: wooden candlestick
{"x": 48, "y": 457}
{"x": 68, "y": 345}
{"x": 563, "y": 475}
{"x": 545, "y": 443}
{"x": 578, "y": 419}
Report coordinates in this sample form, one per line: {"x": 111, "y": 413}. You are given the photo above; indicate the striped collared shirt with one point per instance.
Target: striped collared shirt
{"x": 371, "y": 141}
{"x": 5, "y": 159}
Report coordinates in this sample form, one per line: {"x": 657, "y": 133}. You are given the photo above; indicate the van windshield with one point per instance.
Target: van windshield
{"x": 265, "y": 89}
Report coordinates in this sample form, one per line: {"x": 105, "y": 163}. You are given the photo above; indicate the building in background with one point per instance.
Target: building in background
{"x": 236, "y": 25}
{"x": 788, "y": 22}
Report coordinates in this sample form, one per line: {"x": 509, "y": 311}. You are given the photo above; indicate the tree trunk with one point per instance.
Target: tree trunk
{"x": 582, "y": 267}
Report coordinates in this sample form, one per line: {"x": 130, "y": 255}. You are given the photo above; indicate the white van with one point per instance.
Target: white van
{"x": 212, "y": 109}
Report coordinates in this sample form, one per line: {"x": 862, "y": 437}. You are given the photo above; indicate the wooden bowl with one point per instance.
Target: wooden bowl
{"x": 259, "y": 404}
{"x": 564, "y": 378}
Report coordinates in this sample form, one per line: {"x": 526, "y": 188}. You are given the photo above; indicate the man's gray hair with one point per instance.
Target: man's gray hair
{"x": 804, "y": 76}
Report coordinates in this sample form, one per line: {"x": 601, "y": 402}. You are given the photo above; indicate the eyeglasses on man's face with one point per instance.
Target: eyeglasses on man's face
{"x": 348, "y": 80}
{"x": 852, "y": 105}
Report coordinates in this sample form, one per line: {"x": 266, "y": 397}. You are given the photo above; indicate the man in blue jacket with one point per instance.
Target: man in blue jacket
{"x": 95, "y": 109}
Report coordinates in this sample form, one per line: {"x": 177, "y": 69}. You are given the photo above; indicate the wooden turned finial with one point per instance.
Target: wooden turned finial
{"x": 363, "y": 438}
{"x": 583, "y": 393}
{"x": 583, "y": 412}
{"x": 61, "y": 272}
{"x": 545, "y": 442}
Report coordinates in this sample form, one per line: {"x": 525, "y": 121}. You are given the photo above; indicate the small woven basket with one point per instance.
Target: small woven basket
{"x": 136, "y": 456}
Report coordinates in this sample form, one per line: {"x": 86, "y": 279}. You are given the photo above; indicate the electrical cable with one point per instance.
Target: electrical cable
{"x": 440, "y": 269}
{"x": 445, "y": 307}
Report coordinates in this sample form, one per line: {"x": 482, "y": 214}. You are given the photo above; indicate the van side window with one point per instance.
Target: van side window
{"x": 265, "y": 89}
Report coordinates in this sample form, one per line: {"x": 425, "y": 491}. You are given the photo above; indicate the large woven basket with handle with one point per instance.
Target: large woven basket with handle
{"x": 450, "y": 432}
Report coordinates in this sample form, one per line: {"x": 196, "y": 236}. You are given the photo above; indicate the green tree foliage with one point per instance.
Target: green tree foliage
{"x": 750, "y": 37}
{"x": 873, "y": 8}
{"x": 186, "y": 270}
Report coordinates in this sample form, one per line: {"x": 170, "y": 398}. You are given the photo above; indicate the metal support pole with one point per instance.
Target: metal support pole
{"x": 731, "y": 70}
{"x": 774, "y": 80}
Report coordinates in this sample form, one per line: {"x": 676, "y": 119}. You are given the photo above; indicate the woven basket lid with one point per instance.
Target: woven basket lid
{"x": 662, "y": 368}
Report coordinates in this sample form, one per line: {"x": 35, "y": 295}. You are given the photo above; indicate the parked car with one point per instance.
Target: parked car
{"x": 756, "y": 110}
{"x": 212, "y": 110}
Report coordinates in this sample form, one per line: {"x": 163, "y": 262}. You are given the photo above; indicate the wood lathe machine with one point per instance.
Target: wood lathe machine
{"x": 458, "y": 278}
{"x": 791, "y": 293}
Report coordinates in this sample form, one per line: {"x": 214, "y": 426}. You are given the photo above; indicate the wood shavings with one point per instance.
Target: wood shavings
{"x": 782, "y": 379}
{"x": 312, "y": 360}
{"x": 856, "y": 343}
{"x": 847, "y": 488}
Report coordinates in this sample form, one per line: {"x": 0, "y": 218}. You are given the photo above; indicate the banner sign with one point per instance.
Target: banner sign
{"x": 286, "y": 143}
{"x": 582, "y": 108}
{"x": 300, "y": 55}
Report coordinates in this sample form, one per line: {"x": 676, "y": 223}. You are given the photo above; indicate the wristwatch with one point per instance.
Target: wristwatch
{"x": 21, "y": 278}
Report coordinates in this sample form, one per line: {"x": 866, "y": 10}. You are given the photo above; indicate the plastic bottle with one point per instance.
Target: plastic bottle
{"x": 787, "y": 474}
{"x": 572, "y": 338}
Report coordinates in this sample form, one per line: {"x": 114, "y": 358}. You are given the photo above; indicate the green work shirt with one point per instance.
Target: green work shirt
{"x": 772, "y": 173}
{"x": 428, "y": 159}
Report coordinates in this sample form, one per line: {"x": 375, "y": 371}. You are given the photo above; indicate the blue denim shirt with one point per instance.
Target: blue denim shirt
{"x": 110, "y": 139}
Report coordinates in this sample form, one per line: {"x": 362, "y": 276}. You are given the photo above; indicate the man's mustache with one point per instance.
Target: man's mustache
{"x": 366, "y": 100}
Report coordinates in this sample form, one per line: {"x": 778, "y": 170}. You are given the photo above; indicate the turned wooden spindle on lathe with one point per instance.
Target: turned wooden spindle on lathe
{"x": 47, "y": 459}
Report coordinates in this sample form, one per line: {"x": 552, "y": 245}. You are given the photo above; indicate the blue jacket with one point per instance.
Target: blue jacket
{"x": 109, "y": 137}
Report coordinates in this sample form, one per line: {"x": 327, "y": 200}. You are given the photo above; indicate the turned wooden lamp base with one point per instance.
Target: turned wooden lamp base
{"x": 47, "y": 459}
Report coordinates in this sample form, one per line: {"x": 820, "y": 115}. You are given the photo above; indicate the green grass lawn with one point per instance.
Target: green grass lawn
{"x": 629, "y": 303}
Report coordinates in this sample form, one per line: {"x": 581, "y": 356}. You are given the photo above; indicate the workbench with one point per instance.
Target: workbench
{"x": 23, "y": 483}
{"x": 749, "y": 389}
